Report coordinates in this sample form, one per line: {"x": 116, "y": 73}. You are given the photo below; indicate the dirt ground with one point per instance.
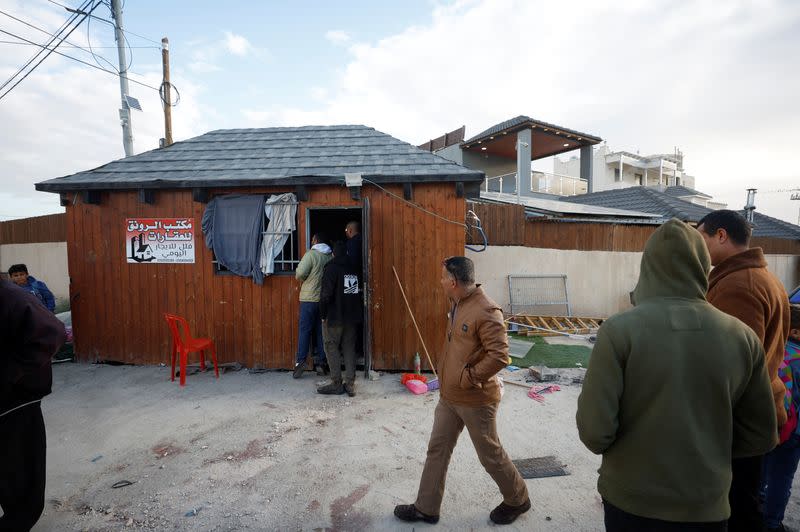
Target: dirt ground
{"x": 265, "y": 452}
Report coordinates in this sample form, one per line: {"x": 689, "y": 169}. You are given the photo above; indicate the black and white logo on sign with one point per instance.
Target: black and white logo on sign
{"x": 350, "y": 284}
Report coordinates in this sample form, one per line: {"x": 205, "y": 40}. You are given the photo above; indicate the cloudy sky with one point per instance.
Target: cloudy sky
{"x": 719, "y": 80}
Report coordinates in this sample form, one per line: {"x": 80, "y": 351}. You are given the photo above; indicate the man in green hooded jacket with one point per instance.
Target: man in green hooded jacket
{"x": 675, "y": 388}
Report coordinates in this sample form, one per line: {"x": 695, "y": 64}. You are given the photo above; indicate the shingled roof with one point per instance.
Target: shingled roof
{"x": 521, "y": 122}
{"x": 312, "y": 155}
{"x": 650, "y": 200}
{"x": 680, "y": 191}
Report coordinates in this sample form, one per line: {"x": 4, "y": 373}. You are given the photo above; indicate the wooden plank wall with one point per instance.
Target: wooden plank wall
{"x": 49, "y": 228}
{"x": 117, "y": 307}
{"x": 506, "y": 225}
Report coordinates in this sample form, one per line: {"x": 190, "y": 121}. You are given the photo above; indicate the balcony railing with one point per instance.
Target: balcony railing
{"x": 542, "y": 182}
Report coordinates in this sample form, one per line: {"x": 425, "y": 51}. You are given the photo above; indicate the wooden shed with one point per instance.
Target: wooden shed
{"x": 136, "y": 249}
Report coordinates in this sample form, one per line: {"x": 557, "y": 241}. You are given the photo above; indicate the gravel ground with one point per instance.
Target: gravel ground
{"x": 265, "y": 452}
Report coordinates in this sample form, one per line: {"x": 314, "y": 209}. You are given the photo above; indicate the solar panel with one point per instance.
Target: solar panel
{"x": 132, "y": 103}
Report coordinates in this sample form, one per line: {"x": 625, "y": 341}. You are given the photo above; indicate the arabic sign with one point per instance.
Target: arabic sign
{"x": 159, "y": 240}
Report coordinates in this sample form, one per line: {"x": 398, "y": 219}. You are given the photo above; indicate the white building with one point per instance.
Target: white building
{"x": 620, "y": 169}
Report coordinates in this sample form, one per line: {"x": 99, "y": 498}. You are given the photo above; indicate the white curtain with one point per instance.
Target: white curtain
{"x": 281, "y": 211}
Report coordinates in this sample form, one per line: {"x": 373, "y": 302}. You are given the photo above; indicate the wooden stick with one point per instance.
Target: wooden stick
{"x": 433, "y": 368}
{"x": 515, "y": 383}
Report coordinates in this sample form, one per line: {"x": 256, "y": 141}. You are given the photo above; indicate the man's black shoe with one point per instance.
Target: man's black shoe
{"x": 332, "y": 388}
{"x": 505, "y": 514}
{"x": 320, "y": 369}
{"x": 298, "y": 370}
{"x": 409, "y": 512}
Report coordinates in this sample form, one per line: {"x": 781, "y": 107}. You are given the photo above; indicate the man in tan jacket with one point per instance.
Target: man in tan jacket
{"x": 741, "y": 285}
{"x": 475, "y": 349}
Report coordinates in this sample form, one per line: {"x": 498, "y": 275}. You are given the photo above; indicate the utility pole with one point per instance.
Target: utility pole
{"x": 125, "y": 111}
{"x": 167, "y": 101}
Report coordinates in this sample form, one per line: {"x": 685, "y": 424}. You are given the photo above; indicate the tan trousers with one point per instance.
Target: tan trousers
{"x": 448, "y": 421}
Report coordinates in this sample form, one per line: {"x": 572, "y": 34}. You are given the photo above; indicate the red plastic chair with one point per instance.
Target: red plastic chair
{"x": 183, "y": 343}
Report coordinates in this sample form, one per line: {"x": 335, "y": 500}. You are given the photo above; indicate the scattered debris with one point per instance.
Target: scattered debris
{"x": 416, "y": 387}
{"x": 121, "y": 484}
{"x": 374, "y": 375}
{"x": 570, "y": 326}
{"x": 193, "y": 512}
{"x": 96, "y": 458}
{"x": 536, "y": 391}
{"x": 543, "y": 374}
{"x": 512, "y": 368}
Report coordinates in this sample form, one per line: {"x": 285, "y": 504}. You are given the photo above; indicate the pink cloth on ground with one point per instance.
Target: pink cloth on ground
{"x": 538, "y": 389}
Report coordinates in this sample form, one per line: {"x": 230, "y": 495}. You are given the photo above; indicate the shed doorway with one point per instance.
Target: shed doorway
{"x": 332, "y": 221}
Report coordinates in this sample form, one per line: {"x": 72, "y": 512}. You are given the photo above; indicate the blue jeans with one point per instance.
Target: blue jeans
{"x": 780, "y": 465}
{"x": 310, "y": 324}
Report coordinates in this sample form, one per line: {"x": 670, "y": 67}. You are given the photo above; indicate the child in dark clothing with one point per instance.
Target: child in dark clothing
{"x": 780, "y": 464}
{"x": 19, "y": 276}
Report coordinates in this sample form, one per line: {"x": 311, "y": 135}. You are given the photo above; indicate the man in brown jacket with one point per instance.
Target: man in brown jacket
{"x": 741, "y": 285}
{"x": 475, "y": 349}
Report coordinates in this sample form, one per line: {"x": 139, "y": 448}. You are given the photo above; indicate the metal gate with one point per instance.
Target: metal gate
{"x": 539, "y": 295}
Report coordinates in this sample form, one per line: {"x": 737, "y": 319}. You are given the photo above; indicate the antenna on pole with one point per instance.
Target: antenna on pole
{"x": 750, "y": 207}
{"x": 125, "y": 110}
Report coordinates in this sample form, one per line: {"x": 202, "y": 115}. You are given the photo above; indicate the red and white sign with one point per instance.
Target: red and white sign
{"x": 159, "y": 240}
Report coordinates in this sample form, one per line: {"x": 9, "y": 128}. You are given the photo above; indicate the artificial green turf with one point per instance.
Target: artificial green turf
{"x": 551, "y": 355}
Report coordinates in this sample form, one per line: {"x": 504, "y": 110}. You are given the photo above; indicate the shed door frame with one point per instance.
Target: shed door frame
{"x": 366, "y": 344}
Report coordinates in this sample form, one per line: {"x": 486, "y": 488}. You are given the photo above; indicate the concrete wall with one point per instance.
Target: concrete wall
{"x": 46, "y": 261}
{"x": 786, "y": 268}
{"x": 599, "y": 282}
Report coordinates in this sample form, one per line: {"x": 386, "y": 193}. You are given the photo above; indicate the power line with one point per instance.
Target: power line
{"x": 79, "y": 61}
{"x": 63, "y": 27}
{"x": 31, "y": 43}
{"x": 81, "y": 47}
{"x": 70, "y": 9}
{"x": 37, "y": 28}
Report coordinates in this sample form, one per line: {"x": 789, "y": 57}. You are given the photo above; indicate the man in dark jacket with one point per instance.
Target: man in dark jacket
{"x": 675, "y": 388}
{"x": 741, "y": 285}
{"x": 29, "y": 337}
{"x": 341, "y": 310}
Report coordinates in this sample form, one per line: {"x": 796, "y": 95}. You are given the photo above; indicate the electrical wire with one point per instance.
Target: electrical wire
{"x": 78, "y": 60}
{"x": 470, "y": 214}
{"x": 63, "y": 27}
{"x": 162, "y": 93}
{"x": 411, "y": 203}
{"x": 82, "y": 48}
{"x": 477, "y": 225}
{"x": 108, "y": 21}
{"x": 88, "y": 38}
{"x": 37, "y": 28}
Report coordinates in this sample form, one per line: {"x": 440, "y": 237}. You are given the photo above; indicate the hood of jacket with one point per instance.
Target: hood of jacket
{"x": 675, "y": 264}
{"x": 322, "y": 248}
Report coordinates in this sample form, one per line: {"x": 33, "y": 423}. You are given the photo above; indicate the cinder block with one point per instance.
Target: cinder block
{"x": 543, "y": 374}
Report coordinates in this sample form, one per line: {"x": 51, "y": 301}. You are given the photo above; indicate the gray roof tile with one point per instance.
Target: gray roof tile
{"x": 652, "y": 201}
{"x": 270, "y": 156}
{"x": 521, "y": 120}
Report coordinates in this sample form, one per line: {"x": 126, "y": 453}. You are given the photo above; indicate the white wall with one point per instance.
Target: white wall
{"x": 786, "y": 268}
{"x": 45, "y": 261}
{"x": 599, "y": 282}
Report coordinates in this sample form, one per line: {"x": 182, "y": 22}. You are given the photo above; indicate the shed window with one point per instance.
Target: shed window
{"x": 286, "y": 261}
